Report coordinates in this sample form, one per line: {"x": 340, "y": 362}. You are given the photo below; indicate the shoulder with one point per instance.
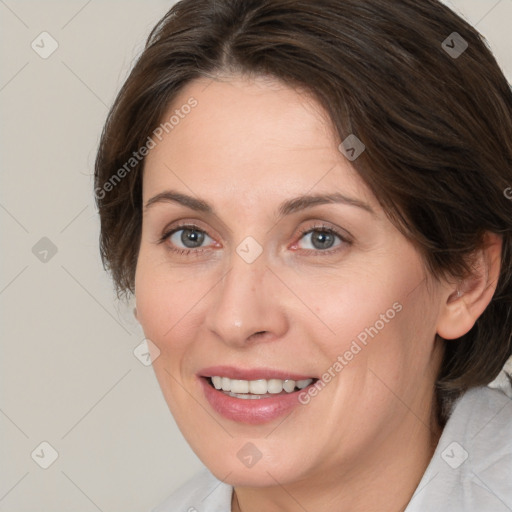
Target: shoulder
{"x": 471, "y": 466}
{"x": 482, "y": 421}
{"x": 201, "y": 493}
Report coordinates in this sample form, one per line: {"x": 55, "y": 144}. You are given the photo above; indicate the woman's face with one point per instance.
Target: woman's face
{"x": 267, "y": 282}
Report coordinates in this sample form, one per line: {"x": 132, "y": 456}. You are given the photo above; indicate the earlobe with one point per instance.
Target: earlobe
{"x": 465, "y": 301}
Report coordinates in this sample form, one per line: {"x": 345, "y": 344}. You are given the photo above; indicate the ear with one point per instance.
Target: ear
{"x": 464, "y": 302}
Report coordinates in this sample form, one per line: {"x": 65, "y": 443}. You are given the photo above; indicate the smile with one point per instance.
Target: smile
{"x": 253, "y": 396}
{"x": 255, "y": 389}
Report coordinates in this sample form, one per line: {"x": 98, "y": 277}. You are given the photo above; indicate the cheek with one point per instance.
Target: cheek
{"x": 163, "y": 299}
{"x": 374, "y": 318}
{"x": 165, "y": 309}
{"x": 398, "y": 342}
{"x": 353, "y": 305}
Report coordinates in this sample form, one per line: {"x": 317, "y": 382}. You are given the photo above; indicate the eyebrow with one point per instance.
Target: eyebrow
{"x": 286, "y": 208}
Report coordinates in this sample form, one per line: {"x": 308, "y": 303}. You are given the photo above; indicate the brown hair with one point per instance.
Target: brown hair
{"x": 437, "y": 127}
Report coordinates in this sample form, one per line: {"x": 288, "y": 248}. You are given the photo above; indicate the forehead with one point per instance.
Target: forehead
{"x": 248, "y": 135}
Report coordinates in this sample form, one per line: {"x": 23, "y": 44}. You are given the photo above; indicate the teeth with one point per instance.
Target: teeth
{"x": 239, "y": 386}
{"x": 258, "y": 387}
{"x": 275, "y": 386}
{"x": 301, "y": 384}
{"x": 217, "y": 382}
{"x": 226, "y": 384}
{"x": 289, "y": 386}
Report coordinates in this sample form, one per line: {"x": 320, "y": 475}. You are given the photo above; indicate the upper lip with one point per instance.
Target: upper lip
{"x": 234, "y": 372}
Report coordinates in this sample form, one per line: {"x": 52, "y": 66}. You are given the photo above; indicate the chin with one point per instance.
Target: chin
{"x": 239, "y": 470}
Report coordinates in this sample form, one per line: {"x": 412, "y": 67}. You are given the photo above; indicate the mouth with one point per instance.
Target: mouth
{"x": 259, "y": 388}
{"x": 253, "y": 396}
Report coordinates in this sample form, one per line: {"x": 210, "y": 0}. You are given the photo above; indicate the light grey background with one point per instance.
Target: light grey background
{"x": 68, "y": 375}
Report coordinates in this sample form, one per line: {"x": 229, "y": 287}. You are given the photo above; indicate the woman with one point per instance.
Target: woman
{"x": 309, "y": 202}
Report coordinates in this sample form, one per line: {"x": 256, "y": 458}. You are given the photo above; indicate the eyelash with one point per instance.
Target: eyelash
{"x": 319, "y": 227}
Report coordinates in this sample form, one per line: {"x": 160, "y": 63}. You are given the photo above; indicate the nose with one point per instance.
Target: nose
{"x": 247, "y": 305}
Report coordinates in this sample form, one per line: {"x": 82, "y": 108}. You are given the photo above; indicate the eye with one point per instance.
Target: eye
{"x": 185, "y": 238}
{"x": 321, "y": 239}
{"x": 189, "y": 238}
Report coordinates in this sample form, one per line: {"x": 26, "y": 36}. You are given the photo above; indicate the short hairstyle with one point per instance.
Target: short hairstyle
{"x": 412, "y": 80}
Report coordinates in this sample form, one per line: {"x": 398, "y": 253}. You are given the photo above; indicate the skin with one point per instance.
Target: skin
{"x": 364, "y": 442}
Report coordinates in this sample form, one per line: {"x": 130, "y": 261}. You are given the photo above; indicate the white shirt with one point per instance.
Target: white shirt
{"x": 470, "y": 471}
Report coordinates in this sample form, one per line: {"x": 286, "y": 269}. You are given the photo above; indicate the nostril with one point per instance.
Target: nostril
{"x": 258, "y": 334}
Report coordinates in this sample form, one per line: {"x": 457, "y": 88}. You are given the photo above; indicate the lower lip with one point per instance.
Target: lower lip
{"x": 251, "y": 411}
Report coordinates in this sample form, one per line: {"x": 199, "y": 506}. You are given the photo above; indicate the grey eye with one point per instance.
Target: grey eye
{"x": 190, "y": 238}
{"x": 321, "y": 239}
